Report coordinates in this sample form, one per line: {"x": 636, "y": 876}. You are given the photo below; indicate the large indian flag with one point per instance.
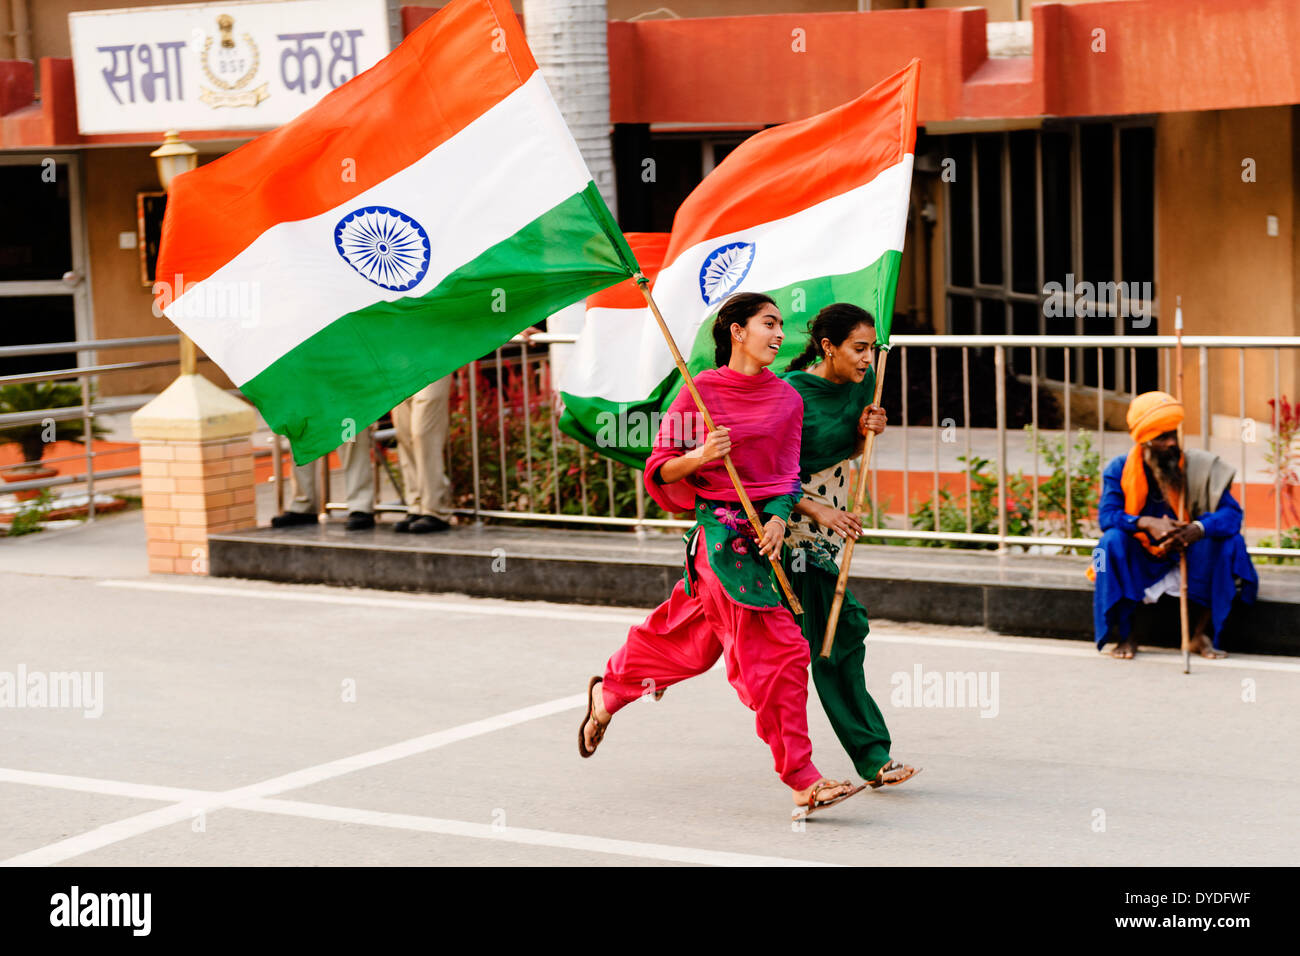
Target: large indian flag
{"x": 413, "y": 220}
{"x": 811, "y": 212}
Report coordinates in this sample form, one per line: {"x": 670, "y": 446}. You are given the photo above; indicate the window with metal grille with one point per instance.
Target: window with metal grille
{"x": 1051, "y": 231}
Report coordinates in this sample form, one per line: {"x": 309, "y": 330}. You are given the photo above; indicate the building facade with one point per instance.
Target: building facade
{"x": 1081, "y": 165}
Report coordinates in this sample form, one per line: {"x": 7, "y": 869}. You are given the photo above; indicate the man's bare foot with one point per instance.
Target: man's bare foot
{"x": 1124, "y": 651}
{"x": 1201, "y": 644}
{"x": 595, "y": 726}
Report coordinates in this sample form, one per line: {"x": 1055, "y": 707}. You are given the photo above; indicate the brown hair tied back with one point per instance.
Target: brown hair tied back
{"x": 835, "y": 322}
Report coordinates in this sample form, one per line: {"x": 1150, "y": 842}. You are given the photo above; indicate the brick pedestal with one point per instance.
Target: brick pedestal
{"x": 196, "y": 471}
{"x": 193, "y": 489}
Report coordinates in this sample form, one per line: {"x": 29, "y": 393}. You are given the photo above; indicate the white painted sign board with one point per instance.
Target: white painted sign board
{"x": 240, "y": 65}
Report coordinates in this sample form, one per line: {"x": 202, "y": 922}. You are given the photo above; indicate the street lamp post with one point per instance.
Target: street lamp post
{"x": 175, "y": 156}
{"x": 196, "y": 451}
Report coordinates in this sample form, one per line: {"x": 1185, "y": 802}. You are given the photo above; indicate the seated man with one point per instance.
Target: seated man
{"x": 1137, "y": 559}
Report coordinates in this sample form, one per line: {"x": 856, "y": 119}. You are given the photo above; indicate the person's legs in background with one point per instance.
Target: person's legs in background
{"x": 406, "y": 464}
{"x": 359, "y": 480}
{"x": 422, "y": 422}
{"x": 359, "y": 485}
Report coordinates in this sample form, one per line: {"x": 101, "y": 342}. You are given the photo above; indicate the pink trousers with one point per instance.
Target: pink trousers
{"x": 766, "y": 655}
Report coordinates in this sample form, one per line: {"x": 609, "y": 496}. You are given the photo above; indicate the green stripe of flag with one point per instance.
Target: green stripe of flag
{"x": 625, "y": 431}
{"x": 364, "y": 363}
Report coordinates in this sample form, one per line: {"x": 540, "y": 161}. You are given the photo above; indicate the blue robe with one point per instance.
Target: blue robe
{"x": 1216, "y": 565}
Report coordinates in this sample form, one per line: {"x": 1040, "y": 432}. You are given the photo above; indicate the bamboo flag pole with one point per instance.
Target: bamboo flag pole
{"x": 1182, "y": 498}
{"x": 859, "y": 496}
{"x": 644, "y": 284}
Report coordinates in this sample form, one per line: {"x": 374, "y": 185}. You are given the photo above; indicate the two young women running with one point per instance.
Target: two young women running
{"x": 727, "y": 603}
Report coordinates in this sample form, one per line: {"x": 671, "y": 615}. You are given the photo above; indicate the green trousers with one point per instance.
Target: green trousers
{"x": 841, "y": 679}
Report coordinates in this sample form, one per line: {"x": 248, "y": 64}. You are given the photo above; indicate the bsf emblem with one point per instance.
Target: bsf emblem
{"x": 230, "y": 67}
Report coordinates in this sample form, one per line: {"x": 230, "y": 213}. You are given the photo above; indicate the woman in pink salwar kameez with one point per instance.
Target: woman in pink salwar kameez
{"x": 728, "y": 603}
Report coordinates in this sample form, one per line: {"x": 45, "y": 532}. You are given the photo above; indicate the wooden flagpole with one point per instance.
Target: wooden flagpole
{"x": 1182, "y": 498}
{"x": 644, "y": 284}
{"x": 859, "y": 494}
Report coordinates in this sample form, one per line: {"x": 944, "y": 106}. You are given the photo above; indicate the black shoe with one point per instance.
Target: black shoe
{"x": 360, "y": 521}
{"x": 291, "y": 518}
{"x": 428, "y": 523}
{"x": 403, "y": 526}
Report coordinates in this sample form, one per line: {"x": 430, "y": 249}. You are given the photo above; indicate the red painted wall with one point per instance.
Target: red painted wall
{"x": 750, "y": 70}
{"x": 1160, "y": 56}
{"x": 1168, "y": 56}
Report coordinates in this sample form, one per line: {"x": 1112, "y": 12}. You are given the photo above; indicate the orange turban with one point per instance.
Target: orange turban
{"x": 1151, "y": 414}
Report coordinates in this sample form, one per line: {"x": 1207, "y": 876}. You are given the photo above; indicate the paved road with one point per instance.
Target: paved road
{"x": 244, "y": 722}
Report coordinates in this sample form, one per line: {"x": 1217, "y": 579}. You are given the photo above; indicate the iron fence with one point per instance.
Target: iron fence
{"x": 505, "y": 406}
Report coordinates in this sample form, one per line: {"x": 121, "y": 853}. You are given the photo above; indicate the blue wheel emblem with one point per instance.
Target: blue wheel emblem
{"x": 385, "y": 246}
{"x": 724, "y": 270}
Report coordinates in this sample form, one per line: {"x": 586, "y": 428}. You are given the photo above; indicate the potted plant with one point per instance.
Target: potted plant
{"x": 33, "y": 439}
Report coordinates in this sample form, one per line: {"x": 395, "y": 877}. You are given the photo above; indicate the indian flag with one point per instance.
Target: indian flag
{"x": 811, "y": 212}
{"x": 413, "y": 220}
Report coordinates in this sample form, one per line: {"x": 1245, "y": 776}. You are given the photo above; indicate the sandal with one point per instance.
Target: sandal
{"x": 599, "y": 735}
{"x": 815, "y": 802}
{"x": 892, "y": 774}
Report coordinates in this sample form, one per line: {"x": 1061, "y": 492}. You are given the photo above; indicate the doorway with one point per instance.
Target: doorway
{"x": 43, "y": 262}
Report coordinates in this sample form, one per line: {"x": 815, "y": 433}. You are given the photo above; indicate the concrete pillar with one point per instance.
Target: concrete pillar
{"x": 196, "y": 471}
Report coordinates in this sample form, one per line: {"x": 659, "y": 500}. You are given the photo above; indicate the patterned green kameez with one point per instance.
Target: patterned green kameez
{"x": 831, "y": 414}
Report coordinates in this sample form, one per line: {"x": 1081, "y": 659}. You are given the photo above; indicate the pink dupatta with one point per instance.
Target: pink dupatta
{"x": 765, "y": 416}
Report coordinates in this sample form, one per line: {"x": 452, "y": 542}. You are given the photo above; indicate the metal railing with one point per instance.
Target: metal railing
{"x": 522, "y": 409}
{"x": 1076, "y": 349}
{"x": 533, "y": 371}
{"x": 86, "y": 411}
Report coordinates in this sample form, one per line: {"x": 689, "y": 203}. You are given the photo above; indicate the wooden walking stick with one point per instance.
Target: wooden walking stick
{"x": 644, "y": 284}
{"x": 1182, "y": 498}
{"x": 859, "y": 502}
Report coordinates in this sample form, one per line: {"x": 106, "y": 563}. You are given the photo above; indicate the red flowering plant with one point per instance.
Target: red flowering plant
{"x": 525, "y": 463}
{"x": 1283, "y": 457}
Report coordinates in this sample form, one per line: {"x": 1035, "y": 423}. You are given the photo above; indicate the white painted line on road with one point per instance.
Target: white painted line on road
{"x": 1067, "y": 650}
{"x": 409, "y": 604}
{"x": 399, "y": 821}
{"x": 105, "y": 835}
{"x": 114, "y": 788}
{"x": 483, "y": 831}
{"x": 164, "y": 816}
{"x": 1149, "y": 655}
{"x": 1019, "y": 646}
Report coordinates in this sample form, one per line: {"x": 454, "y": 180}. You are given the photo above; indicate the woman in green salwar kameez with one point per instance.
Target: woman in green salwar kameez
{"x": 837, "y": 392}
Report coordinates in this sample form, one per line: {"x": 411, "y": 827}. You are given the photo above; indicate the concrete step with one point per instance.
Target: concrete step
{"x": 1015, "y": 593}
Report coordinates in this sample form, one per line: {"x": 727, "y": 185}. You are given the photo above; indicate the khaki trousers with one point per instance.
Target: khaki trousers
{"x": 358, "y": 478}
{"x": 422, "y": 422}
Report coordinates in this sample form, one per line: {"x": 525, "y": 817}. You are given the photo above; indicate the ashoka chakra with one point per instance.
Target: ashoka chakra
{"x": 724, "y": 269}
{"x": 385, "y": 246}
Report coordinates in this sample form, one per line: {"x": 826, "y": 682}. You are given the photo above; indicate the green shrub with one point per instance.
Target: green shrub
{"x": 1085, "y": 468}
{"x": 31, "y": 514}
